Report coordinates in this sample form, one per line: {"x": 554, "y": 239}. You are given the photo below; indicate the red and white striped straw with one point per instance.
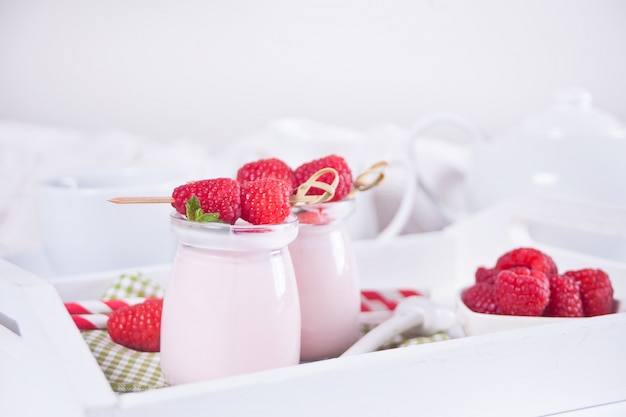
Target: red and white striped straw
{"x": 90, "y": 321}
{"x": 100, "y": 306}
{"x": 385, "y": 299}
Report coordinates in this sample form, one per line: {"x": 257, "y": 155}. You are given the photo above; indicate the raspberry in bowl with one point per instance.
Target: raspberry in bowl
{"x": 524, "y": 288}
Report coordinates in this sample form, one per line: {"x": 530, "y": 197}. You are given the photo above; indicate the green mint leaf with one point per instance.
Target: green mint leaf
{"x": 195, "y": 213}
{"x": 192, "y": 206}
{"x": 209, "y": 218}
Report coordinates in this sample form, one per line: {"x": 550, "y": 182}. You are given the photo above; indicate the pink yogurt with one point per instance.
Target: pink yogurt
{"x": 231, "y": 305}
{"x": 328, "y": 281}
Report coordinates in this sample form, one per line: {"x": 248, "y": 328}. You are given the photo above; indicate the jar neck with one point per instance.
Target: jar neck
{"x": 321, "y": 228}
{"x": 219, "y": 236}
{"x": 185, "y": 251}
{"x": 325, "y": 213}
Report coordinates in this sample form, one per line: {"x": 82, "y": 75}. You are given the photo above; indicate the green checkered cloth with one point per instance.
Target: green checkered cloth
{"x": 129, "y": 370}
{"x": 137, "y": 285}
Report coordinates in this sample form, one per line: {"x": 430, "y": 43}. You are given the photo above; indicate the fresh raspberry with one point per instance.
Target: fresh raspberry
{"x": 217, "y": 195}
{"x": 486, "y": 275}
{"x": 139, "y": 326}
{"x": 521, "y": 270}
{"x": 312, "y": 217}
{"x": 522, "y": 295}
{"x": 265, "y": 201}
{"x": 564, "y": 297}
{"x": 267, "y": 168}
{"x": 596, "y": 291}
{"x": 528, "y": 257}
{"x": 481, "y": 298}
{"x": 306, "y": 170}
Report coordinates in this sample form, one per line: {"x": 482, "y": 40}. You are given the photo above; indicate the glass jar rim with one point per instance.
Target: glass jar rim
{"x": 236, "y": 237}
{"x": 326, "y": 213}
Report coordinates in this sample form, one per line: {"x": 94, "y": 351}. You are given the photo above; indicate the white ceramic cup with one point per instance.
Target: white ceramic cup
{"x": 82, "y": 232}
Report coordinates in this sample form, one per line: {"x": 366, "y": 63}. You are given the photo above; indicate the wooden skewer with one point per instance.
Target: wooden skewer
{"x": 163, "y": 200}
{"x": 293, "y": 200}
{"x": 141, "y": 200}
{"x": 362, "y": 183}
{"x": 299, "y": 197}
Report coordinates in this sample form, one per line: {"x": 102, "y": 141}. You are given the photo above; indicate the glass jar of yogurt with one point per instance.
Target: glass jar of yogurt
{"x": 231, "y": 305}
{"x": 328, "y": 280}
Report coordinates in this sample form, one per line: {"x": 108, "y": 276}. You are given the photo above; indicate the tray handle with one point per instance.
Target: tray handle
{"x": 42, "y": 352}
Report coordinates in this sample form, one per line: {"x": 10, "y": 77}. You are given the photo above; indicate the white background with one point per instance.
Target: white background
{"x": 88, "y": 84}
{"x": 215, "y": 71}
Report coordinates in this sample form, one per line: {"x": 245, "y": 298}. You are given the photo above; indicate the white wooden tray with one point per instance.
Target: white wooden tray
{"x": 47, "y": 369}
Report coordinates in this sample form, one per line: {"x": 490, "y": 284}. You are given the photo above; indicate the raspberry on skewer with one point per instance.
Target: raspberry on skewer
{"x": 339, "y": 164}
{"x": 219, "y": 196}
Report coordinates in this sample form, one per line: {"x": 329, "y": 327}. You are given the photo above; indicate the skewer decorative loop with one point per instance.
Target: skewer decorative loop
{"x": 371, "y": 177}
{"x": 329, "y": 189}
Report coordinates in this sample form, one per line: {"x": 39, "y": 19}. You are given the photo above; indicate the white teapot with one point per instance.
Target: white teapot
{"x": 571, "y": 150}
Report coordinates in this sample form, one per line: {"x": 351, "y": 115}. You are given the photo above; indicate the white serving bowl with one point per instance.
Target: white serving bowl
{"x": 479, "y": 323}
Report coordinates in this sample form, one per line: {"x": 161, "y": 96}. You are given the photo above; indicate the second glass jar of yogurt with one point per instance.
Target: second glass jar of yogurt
{"x": 327, "y": 278}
